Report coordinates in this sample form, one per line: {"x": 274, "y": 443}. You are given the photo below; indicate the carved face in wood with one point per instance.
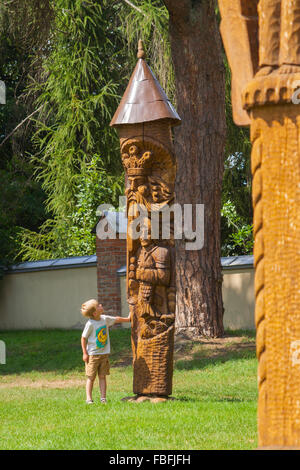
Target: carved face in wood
{"x": 160, "y": 190}
{"x": 145, "y": 237}
{"x": 138, "y": 189}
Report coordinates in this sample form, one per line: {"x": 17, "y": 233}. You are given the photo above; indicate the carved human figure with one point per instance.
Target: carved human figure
{"x": 144, "y": 188}
{"x": 151, "y": 286}
{"x": 136, "y": 163}
{"x": 279, "y": 36}
{"x": 151, "y": 282}
{"x": 153, "y": 273}
{"x": 265, "y": 34}
{"x": 152, "y": 304}
{"x": 138, "y": 190}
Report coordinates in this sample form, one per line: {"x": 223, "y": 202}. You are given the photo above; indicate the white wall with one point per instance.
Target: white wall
{"x": 238, "y": 298}
{"x": 46, "y": 299}
{"x": 52, "y": 298}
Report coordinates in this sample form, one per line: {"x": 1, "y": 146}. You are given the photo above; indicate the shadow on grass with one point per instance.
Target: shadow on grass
{"x": 214, "y": 399}
{"x": 54, "y": 350}
{"x": 59, "y": 351}
{"x": 205, "y": 353}
{"x": 203, "y": 360}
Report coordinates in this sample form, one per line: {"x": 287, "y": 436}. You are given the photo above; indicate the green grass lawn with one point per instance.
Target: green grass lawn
{"x": 42, "y": 396}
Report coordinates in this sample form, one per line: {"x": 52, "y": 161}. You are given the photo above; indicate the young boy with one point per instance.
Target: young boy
{"x": 96, "y": 346}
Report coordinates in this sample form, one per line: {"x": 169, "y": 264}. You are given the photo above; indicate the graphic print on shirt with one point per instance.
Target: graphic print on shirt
{"x": 101, "y": 337}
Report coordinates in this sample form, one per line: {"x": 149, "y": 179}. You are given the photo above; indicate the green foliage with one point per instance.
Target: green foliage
{"x": 21, "y": 205}
{"x": 72, "y": 60}
{"x": 236, "y": 220}
{"x": 73, "y": 234}
{"x": 240, "y": 238}
{"x": 23, "y": 38}
{"x": 94, "y": 188}
{"x": 78, "y": 94}
{"x": 149, "y": 21}
{"x": 78, "y": 98}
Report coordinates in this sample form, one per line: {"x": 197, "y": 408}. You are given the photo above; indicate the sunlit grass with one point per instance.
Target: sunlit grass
{"x": 215, "y": 391}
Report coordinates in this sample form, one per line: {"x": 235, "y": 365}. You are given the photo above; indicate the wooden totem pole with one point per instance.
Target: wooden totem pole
{"x": 262, "y": 42}
{"x": 144, "y": 120}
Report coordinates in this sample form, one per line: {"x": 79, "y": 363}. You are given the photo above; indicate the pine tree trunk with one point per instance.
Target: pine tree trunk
{"x": 199, "y": 144}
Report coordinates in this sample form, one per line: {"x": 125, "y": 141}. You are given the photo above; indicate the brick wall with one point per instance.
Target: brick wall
{"x": 111, "y": 255}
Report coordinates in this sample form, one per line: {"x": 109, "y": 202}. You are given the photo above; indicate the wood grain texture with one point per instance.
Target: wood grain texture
{"x": 150, "y": 169}
{"x": 275, "y": 135}
{"x": 144, "y": 120}
{"x": 276, "y": 198}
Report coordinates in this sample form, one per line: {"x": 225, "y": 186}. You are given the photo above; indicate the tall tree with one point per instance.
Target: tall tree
{"x": 200, "y": 144}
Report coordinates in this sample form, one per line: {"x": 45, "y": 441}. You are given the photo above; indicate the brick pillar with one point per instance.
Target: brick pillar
{"x": 111, "y": 255}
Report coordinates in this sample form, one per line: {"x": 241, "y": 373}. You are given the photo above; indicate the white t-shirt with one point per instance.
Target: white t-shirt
{"x": 97, "y": 335}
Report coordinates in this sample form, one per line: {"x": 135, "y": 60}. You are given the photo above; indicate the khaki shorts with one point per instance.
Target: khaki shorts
{"x": 97, "y": 365}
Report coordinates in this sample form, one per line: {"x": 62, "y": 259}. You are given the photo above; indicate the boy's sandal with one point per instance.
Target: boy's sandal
{"x": 103, "y": 400}
{"x": 89, "y": 402}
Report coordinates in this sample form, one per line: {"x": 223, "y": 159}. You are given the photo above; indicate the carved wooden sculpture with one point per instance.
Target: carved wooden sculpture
{"x": 144, "y": 119}
{"x": 266, "y": 73}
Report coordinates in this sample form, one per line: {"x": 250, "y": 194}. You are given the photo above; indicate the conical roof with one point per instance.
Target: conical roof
{"x": 144, "y": 99}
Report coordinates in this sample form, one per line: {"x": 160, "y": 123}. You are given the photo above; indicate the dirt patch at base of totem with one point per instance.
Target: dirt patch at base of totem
{"x": 44, "y": 383}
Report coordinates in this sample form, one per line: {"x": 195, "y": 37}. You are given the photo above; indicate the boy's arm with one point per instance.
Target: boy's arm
{"x": 123, "y": 319}
{"x": 85, "y": 356}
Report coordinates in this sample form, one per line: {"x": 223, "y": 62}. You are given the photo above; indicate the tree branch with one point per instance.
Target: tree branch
{"x": 135, "y": 7}
{"x": 19, "y": 125}
{"x": 142, "y": 13}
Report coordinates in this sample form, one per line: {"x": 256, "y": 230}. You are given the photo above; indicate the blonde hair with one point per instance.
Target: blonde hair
{"x": 89, "y": 308}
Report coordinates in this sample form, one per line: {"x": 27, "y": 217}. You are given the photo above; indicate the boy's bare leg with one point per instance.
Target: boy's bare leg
{"x": 102, "y": 385}
{"x": 89, "y": 389}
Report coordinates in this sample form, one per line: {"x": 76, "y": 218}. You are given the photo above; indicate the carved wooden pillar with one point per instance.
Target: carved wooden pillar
{"x": 144, "y": 120}
{"x": 265, "y": 89}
